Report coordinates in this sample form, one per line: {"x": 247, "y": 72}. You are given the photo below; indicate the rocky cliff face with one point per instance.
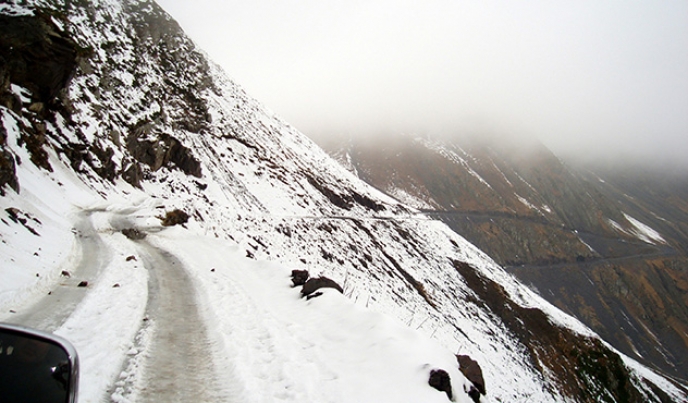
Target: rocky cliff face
{"x": 37, "y": 56}
{"x": 587, "y": 245}
{"x": 134, "y": 108}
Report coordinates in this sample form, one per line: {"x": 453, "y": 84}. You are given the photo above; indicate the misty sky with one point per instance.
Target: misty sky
{"x": 588, "y": 78}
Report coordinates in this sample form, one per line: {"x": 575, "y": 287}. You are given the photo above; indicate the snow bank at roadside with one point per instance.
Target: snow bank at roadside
{"x": 277, "y": 346}
{"x": 104, "y": 325}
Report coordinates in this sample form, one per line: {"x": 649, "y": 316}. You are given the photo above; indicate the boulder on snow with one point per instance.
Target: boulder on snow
{"x": 299, "y": 277}
{"x": 133, "y": 234}
{"x": 174, "y": 217}
{"x": 472, "y": 371}
{"x": 439, "y": 379}
{"x": 315, "y": 284}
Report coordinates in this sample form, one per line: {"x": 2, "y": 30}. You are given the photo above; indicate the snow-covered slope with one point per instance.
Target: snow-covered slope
{"x": 583, "y": 243}
{"x": 147, "y": 125}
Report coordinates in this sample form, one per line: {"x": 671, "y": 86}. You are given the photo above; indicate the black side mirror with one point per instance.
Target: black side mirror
{"x": 36, "y": 367}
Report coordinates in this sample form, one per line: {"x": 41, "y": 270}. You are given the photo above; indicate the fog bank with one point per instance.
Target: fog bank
{"x": 593, "y": 80}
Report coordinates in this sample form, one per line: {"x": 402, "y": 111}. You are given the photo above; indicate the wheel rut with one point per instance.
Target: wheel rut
{"x": 178, "y": 366}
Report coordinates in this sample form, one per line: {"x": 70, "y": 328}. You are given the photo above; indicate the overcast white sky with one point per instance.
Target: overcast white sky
{"x": 586, "y": 77}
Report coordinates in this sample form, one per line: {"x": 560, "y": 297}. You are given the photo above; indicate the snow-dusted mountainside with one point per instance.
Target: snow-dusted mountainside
{"x": 111, "y": 121}
{"x": 611, "y": 252}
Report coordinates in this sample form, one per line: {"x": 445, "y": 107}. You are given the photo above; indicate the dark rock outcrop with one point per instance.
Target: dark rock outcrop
{"x": 299, "y": 277}
{"x": 37, "y": 55}
{"x": 344, "y": 201}
{"x": 8, "y": 176}
{"x": 472, "y": 371}
{"x": 23, "y": 219}
{"x": 597, "y": 370}
{"x": 314, "y": 284}
{"x": 439, "y": 379}
{"x": 174, "y": 217}
{"x": 133, "y": 234}
{"x": 161, "y": 151}
{"x": 132, "y": 172}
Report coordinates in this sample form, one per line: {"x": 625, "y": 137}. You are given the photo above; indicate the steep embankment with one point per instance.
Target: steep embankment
{"x": 609, "y": 252}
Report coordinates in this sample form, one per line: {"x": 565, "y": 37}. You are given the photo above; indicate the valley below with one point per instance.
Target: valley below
{"x": 556, "y": 228}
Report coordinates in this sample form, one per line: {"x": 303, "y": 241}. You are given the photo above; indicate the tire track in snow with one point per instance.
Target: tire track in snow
{"x": 269, "y": 353}
{"x": 178, "y": 365}
{"x": 51, "y": 311}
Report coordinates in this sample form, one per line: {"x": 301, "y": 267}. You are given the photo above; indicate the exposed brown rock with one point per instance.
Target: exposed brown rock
{"x": 299, "y": 277}
{"x": 439, "y": 379}
{"x": 587, "y": 368}
{"x": 38, "y": 55}
{"x": 472, "y": 371}
{"x": 163, "y": 151}
{"x": 174, "y": 217}
{"x": 8, "y": 176}
{"x": 315, "y": 284}
{"x": 344, "y": 201}
{"x": 133, "y": 234}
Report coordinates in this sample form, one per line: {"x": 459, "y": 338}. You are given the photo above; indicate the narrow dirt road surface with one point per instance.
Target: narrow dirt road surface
{"x": 179, "y": 366}
{"x": 50, "y": 312}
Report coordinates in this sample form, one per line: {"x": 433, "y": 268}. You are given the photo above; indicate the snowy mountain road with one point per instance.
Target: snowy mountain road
{"x": 177, "y": 366}
{"x": 174, "y": 363}
{"x": 50, "y": 312}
